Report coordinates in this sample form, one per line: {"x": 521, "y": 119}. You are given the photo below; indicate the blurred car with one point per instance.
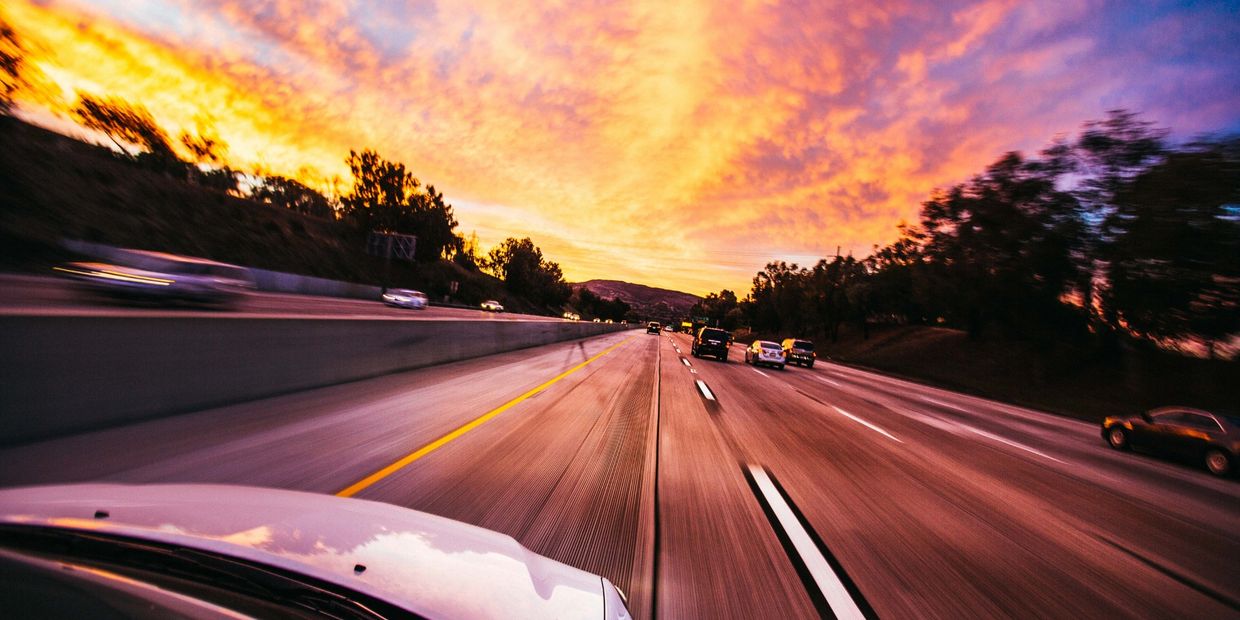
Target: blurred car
{"x": 572, "y": 316}
{"x": 711, "y": 341}
{"x": 765, "y": 352}
{"x": 652, "y": 327}
{"x": 668, "y": 328}
{"x": 799, "y": 352}
{"x": 1199, "y": 436}
{"x": 198, "y": 551}
{"x": 491, "y": 305}
{"x": 405, "y": 298}
{"x": 142, "y": 275}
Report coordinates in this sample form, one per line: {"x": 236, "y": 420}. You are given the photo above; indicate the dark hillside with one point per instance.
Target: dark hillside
{"x": 54, "y": 187}
{"x": 640, "y": 295}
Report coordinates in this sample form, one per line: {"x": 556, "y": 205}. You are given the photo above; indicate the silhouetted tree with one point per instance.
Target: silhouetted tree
{"x": 12, "y": 65}
{"x": 721, "y": 309}
{"x": 291, "y": 194}
{"x": 468, "y": 254}
{"x": 205, "y": 147}
{"x": 520, "y": 264}
{"x": 590, "y": 306}
{"x": 123, "y": 123}
{"x": 386, "y": 197}
{"x": 1173, "y": 247}
{"x": 1000, "y": 248}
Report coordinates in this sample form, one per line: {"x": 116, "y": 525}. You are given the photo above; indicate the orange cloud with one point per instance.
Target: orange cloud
{"x": 677, "y": 144}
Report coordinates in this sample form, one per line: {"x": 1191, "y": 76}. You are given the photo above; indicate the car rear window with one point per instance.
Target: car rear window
{"x": 803, "y": 345}
{"x": 714, "y": 333}
{"x": 770, "y": 345}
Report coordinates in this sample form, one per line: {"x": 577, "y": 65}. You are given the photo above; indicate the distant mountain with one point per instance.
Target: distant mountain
{"x": 640, "y": 296}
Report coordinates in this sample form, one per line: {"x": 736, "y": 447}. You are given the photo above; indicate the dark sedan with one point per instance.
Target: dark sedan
{"x": 1202, "y": 437}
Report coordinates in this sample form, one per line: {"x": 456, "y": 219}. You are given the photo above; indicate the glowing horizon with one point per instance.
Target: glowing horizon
{"x": 678, "y": 145}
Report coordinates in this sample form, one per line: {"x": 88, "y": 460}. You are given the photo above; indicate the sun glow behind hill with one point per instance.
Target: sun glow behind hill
{"x": 681, "y": 145}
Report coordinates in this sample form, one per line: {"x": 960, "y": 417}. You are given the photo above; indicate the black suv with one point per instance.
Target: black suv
{"x": 712, "y": 341}
{"x": 799, "y": 352}
{"x": 652, "y": 327}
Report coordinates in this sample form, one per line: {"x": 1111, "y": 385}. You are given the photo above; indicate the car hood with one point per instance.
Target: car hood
{"x": 430, "y": 565}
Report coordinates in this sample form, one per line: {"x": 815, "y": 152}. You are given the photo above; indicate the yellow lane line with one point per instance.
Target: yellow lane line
{"x": 360, "y": 485}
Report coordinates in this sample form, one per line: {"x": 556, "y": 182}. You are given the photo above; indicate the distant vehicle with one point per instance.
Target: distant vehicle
{"x": 711, "y": 341}
{"x": 652, "y": 327}
{"x": 609, "y": 321}
{"x": 142, "y": 275}
{"x": 668, "y": 328}
{"x": 765, "y": 352}
{"x": 405, "y": 298}
{"x": 216, "y": 551}
{"x": 799, "y": 352}
{"x": 1198, "y": 436}
{"x": 598, "y": 320}
{"x": 491, "y": 305}
{"x": 572, "y": 316}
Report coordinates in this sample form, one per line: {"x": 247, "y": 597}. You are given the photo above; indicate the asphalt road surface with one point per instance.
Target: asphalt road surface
{"x": 713, "y": 490}
{"x": 44, "y": 296}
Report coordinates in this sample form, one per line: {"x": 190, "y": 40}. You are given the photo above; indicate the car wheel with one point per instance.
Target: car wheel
{"x": 809, "y": 365}
{"x": 781, "y": 366}
{"x": 1218, "y": 462}
{"x": 724, "y": 357}
{"x": 1117, "y": 437}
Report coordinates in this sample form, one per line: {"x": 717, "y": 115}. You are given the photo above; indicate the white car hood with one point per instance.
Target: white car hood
{"x": 430, "y": 565}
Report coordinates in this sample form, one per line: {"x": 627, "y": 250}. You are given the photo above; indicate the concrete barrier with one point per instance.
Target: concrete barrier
{"x": 280, "y": 282}
{"x": 66, "y": 374}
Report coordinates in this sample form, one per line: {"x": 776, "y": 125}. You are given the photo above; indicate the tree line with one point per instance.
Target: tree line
{"x": 384, "y": 195}
{"x": 1114, "y": 236}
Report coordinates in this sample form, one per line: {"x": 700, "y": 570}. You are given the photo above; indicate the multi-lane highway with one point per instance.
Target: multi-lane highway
{"x": 709, "y": 489}
{"x": 53, "y": 296}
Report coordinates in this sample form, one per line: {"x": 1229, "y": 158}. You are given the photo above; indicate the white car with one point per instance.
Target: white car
{"x": 405, "y": 298}
{"x": 198, "y": 551}
{"x": 491, "y": 305}
{"x": 765, "y": 352}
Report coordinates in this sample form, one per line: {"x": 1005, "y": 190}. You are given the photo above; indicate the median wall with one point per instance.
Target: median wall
{"x": 65, "y": 374}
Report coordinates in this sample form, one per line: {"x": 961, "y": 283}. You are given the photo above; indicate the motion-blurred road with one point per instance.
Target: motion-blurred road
{"x": 43, "y": 296}
{"x": 709, "y": 489}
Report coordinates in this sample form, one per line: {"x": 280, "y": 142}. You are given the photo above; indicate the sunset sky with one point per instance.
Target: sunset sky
{"x": 679, "y": 144}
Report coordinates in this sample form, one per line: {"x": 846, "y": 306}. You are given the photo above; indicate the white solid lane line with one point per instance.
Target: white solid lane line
{"x": 686, "y": 362}
{"x": 866, "y": 424}
{"x": 705, "y": 390}
{"x": 1009, "y": 442}
{"x": 942, "y": 404}
{"x": 827, "y": 581}
{"x": 761, "y": 373}
{"x": 827, "y": 381}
